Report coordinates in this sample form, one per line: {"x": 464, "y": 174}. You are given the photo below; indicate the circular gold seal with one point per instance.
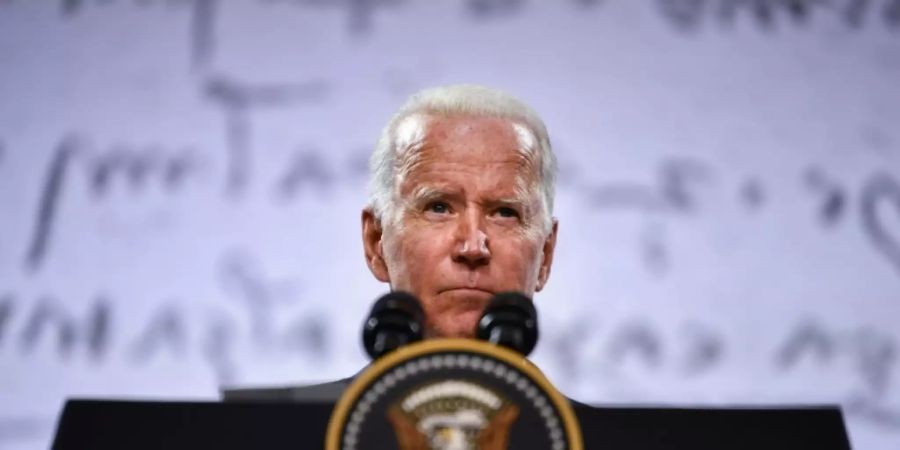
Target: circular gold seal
{"x": 452, "y": 394}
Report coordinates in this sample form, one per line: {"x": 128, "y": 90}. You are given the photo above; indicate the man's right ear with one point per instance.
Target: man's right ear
{"x": 372, "y": 245}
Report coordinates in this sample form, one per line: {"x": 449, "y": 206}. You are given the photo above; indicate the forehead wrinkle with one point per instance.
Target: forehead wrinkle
{"x": 412, "y": 160}
{"x": 523, "y": 187}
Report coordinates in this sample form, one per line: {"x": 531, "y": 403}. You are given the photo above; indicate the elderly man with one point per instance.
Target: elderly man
{"x": 460, "y": 208}
{"x": 461, "y": 202}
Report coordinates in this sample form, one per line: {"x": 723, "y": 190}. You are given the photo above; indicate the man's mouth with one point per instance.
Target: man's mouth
{"x": 465, "y": 298}
{"x": 469, "y": 290}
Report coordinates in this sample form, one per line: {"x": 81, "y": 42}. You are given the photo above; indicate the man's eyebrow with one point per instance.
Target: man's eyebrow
{"x": 514, "y": 201}
{"x": 426, "y": 193}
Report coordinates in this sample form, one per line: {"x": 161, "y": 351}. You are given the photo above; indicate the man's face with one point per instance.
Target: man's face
{"x": 469, "y": 224}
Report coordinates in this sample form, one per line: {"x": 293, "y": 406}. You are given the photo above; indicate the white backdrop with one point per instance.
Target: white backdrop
{"x": 181, "y": 181}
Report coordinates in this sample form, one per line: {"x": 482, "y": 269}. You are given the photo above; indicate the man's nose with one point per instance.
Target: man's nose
{"x": 472, "y": 247}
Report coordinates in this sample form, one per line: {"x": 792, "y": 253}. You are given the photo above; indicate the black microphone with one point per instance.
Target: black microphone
{"x": 395, "y": 320}
{"x": 510, "y": 320}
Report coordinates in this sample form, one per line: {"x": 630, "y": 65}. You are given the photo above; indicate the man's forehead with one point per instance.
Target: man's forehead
{"x": 485, "y": 140}
{"x": 492, "y": 151}
{"x": 444, "y": 169}
{"x": 462, "y": 122}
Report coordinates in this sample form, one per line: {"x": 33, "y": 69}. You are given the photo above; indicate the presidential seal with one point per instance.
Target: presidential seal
{"x": 452, "y": 415}
{"x": 454, "y": 394}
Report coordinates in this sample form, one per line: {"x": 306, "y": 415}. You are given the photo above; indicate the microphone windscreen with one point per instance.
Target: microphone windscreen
{"x": 510, "y": 319}
{"x": 399, "y": 301}
{"x": 396, "y": 319}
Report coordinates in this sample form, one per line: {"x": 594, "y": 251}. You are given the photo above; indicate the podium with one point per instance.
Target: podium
{"x": 442, "y": 394}
{"x": 136, "y": 425}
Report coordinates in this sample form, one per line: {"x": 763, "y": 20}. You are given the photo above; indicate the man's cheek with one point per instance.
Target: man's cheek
{"x": 425, "y": 242}
{"x": 520, "y": 263}
{"x": 517, "y": 251}
{"x": 412, "y": 248}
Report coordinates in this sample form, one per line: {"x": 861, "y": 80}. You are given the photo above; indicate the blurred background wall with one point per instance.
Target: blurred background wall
{"x": 181, "y": 182}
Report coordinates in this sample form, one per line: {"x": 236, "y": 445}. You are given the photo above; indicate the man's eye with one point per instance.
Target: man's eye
{"x": 507, "y": 212}
{"x": 438, "y": 207}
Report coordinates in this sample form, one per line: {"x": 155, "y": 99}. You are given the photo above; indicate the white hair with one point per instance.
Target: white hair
{"x": 404, "y": 135}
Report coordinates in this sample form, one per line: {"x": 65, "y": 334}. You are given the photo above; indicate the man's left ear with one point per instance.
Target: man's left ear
{"x": 547, "y": 260}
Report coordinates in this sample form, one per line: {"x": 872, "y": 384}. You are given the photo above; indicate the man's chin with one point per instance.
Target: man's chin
{"x": 455, "y": 313}
{"x": 455, "y": 325}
